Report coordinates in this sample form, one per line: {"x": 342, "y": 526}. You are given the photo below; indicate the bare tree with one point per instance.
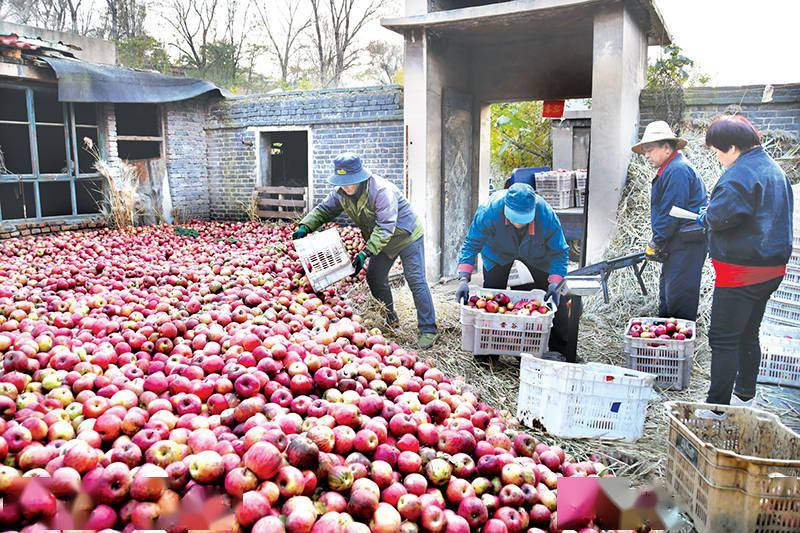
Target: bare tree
{"x": 57, "y": 15}
{"x": 385, "y": 60}
{"x": 125, "y": 18}
{"x": 194, "y": 25}
{"x": 336, "y": 25}
{"x": 283, "y": 34}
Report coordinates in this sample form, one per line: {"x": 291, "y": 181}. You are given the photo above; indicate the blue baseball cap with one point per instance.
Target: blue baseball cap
{"x": 520, "y": 203}
{"x": 348, "y": 170}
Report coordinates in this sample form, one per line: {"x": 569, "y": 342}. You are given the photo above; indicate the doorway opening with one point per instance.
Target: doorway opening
{"x": 283, "y": 158}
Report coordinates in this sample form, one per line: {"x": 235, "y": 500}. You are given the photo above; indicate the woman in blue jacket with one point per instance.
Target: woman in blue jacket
{"x": 749, "y": 219}
{"x": 516, "y": 224}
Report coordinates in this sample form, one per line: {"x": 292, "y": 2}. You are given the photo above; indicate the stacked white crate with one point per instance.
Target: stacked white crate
{"x": 780, "y": 331}
{"x": 783, "y": 307}
{"x": 580, "y": 187}
{"x": 557, "y": 187}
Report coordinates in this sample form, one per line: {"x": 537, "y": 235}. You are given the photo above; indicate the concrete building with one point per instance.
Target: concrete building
{"x": 463, "y": 55}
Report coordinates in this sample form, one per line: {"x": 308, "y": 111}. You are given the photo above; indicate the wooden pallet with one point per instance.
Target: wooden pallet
{"x": 281, "y": 202}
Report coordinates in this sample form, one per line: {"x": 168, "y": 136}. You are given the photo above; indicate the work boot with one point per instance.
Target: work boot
{"x": 426, "y": 340}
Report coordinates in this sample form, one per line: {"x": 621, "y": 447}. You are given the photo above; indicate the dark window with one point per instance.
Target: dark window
{"x": 52, "y": 149}
{"x": 47, "y": 108}
{"x": 56, "y": 198}
{"x": 133, "y": 150}
{"x": 137, "y": 119}
{"x": 88, "y": 195}
{"x": 85, "y": 114}
{"x": 85, "y": 159}
{"x": 12, "y": 105}
{"x": 17, "y": 200}
{"x": 50, "y": 172}
{"x": 16, "y": 148}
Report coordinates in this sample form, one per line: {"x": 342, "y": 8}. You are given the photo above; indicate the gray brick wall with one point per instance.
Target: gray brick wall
{"x": 379, "y": 144}
{"x": 705, "y": 103}
{"x": 186, "y": 157}
{"x": 367, "y": 120}
{"x": 231, "y": 171}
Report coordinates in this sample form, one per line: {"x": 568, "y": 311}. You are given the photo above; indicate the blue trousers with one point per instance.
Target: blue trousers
{"x": 413, "y": 259}
{"x": 679, "y": 286}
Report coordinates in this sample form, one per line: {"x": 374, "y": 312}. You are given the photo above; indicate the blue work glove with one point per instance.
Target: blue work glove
{"x": 552, "y": 293}
{"x": 701, "y": 218}
{"x": 359, "y": 261}
{"x": 300, "y": 232}
{"x": 462, "y": 293}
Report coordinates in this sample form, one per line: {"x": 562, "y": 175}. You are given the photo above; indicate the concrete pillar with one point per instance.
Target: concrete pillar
{"x": 484, "y": 127}
{"x": 424, "y": 183}
{"x": 618, "y": 75}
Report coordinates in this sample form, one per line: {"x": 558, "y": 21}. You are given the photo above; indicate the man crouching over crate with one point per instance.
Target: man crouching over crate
{"x": 391, "y": 229}
{"x": 517, "y": 224}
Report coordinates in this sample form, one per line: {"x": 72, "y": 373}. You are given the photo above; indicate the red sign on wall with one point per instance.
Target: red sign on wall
{"x": 553, "y": 109}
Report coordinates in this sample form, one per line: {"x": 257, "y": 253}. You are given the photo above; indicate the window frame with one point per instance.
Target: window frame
{"x": 71, "y": 151}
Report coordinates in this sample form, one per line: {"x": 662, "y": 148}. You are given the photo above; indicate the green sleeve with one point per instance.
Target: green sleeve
{"x": 329, "y": 209}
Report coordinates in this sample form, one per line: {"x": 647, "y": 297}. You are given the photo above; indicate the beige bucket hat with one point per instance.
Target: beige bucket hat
{"x": 658, "y": 131}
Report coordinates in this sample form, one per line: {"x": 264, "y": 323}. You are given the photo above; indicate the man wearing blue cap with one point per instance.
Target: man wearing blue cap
{"x": 391, "y": 229}
{"x": 516, "y": 224}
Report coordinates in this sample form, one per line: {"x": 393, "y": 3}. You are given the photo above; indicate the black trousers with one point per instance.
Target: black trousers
{"x": 736, "y": 314}
{"x": 679, "y": 286}
{"x": 497, "y": 278}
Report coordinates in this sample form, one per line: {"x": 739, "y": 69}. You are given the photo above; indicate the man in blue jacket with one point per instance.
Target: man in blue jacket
{"x": 516, "y": 224}
{"x": 678, "y": 244}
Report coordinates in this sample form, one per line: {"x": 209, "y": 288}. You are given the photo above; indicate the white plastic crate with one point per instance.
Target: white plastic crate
{"x": 780, "y": 355}
{"x": 559, "y": 200}
{"x": 555, "y": 181}
{"x": 788, "y": 293}
{"x": 580, "y": 195}
{"x": 584, "y": 401}
{"x": 324, "y": 258}
{"x": 505, "y": 334}
{"x": 792, "y": 276}
{"x": 531, "y": 388}
{"x": 670, "y": 360}
{"x": 780, "y": 312}
{"x": 580, "y": 178}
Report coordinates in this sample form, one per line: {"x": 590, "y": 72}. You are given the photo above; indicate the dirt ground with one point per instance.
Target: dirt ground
{"x": 642, "y": 460}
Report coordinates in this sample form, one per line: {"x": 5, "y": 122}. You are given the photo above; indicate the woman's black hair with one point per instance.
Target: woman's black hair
{"x": 732, "y": 130}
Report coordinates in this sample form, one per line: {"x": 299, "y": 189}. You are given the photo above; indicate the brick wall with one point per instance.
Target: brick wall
{"x": 704, "y": 103}
{"x": 186, "y": 157}
{"x": 367, "y": 120}
{"x": 27, "y": 229}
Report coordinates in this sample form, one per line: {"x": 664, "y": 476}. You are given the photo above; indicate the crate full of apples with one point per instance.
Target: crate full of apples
{"x": 661, "y": 346}
{"x": 505, "y": 322}
{"x": 501, "y": 303}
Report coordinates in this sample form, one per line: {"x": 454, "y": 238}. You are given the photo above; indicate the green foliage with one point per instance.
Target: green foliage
{"x": 674, "y": 69}
{"x": 143, "y": 52}
{"x": 520, "y": 137}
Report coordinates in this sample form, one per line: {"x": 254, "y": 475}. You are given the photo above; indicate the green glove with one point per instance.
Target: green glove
{"x": 300, "y": 232}
{"x": 359, "y": 261}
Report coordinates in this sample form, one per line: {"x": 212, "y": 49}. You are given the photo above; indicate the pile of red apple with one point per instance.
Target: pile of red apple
{"x": 666, "y": 329}
{"x": 155, "y": 381}
{"x": 500, "y": 303}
